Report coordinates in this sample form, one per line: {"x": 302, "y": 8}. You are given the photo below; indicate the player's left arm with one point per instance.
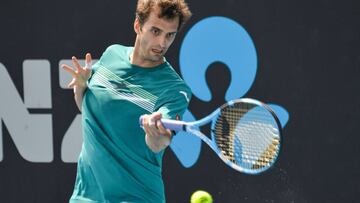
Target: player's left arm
{"x": 157, "y": 136}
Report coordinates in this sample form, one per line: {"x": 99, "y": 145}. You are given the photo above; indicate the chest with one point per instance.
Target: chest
{"x": 127, "y": 89}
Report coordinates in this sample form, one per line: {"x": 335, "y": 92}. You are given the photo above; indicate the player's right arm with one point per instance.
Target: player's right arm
{"x": 80, "y": 77}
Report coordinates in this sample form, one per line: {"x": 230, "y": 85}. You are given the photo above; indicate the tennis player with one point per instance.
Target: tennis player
{"x": 119, "y": 161}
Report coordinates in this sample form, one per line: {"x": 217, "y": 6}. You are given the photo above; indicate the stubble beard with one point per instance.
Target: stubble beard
{"x": 154, "y": 57}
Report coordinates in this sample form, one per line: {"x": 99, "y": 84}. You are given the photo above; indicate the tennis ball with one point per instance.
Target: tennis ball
{"x": 201, "y": 196}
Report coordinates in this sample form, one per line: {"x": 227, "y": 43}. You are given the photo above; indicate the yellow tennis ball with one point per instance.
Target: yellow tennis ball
{"x": 201, "y": 196}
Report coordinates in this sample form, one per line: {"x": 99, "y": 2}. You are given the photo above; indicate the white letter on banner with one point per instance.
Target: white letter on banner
{"x": 32, "y": 134}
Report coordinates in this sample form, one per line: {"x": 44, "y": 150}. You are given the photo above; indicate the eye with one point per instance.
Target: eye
{"x": 155, "y": 31}
{"x": 172, "y": 34}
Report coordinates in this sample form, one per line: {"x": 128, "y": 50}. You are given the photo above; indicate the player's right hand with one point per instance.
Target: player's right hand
{"x": 80, "y": 74}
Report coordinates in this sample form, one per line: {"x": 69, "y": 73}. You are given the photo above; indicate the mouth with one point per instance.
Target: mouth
{"x": 157, "y": 51}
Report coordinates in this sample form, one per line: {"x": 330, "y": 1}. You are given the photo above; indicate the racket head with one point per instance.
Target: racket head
{"x": 247, "y": 135}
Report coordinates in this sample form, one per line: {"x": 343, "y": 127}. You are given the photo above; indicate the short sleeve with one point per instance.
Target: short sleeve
{"x": 100, "y": 62}
{"x": 176, "y": 104}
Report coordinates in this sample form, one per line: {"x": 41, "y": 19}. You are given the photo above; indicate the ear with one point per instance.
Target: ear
{"x": 137, "y": 26}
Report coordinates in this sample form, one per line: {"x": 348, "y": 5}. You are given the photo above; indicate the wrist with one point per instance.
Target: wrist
{"x": 156, "y": 144}
{"x": 81, "y": 88}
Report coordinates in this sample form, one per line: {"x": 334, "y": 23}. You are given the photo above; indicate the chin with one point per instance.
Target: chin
{"x": 156, "y": 58}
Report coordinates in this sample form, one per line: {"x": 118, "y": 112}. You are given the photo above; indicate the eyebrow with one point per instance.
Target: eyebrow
{"x": 154, "y": 27}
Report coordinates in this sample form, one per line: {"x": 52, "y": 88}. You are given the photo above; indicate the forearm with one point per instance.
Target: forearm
{"x": 156, "y": 144}
{"x": 78, "y": 95}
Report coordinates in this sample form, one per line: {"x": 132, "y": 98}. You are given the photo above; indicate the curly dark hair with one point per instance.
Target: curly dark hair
{"x": 169, "y": 9}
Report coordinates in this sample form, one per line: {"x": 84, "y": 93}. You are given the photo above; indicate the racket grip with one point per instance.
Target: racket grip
{"x": 168, "y": 124}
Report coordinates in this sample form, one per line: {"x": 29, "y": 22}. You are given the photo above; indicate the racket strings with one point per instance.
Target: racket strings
{"x": 246, "y": 136}
{"x": 268, "y": 155}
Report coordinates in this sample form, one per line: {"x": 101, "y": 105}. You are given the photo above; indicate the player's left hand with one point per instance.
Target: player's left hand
{"x": 157, "y": 136}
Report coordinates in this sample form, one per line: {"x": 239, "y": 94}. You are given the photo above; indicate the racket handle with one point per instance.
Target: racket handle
{"x": 169, "y": 124}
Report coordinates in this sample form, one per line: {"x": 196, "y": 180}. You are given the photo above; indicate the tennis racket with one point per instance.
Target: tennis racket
{"x": 245, "y": 134}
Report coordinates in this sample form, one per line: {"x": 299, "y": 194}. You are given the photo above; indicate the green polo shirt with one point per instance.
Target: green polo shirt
{"x": 115, "y": 164}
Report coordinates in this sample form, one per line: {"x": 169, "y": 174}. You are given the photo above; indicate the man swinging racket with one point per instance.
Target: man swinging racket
{"x": 119, "y": 161}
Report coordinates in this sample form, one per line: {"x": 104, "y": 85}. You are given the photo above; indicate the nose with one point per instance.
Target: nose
{"x": 163, "y": 42}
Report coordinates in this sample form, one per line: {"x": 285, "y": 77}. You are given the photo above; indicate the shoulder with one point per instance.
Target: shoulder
{"x": 177, "y": 86}
{"x": 116, "y": 50}
{"x": 114, "y": 56}
{"x": 170, "y": 73}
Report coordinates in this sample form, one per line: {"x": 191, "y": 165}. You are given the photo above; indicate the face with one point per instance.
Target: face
{"x": 154, "y": 38}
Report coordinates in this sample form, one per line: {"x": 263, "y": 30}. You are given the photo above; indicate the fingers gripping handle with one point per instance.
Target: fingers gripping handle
{"x": 169, "y": 124}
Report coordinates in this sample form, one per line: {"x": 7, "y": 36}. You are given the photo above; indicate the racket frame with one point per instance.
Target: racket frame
{"x": 192, "y": 128}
